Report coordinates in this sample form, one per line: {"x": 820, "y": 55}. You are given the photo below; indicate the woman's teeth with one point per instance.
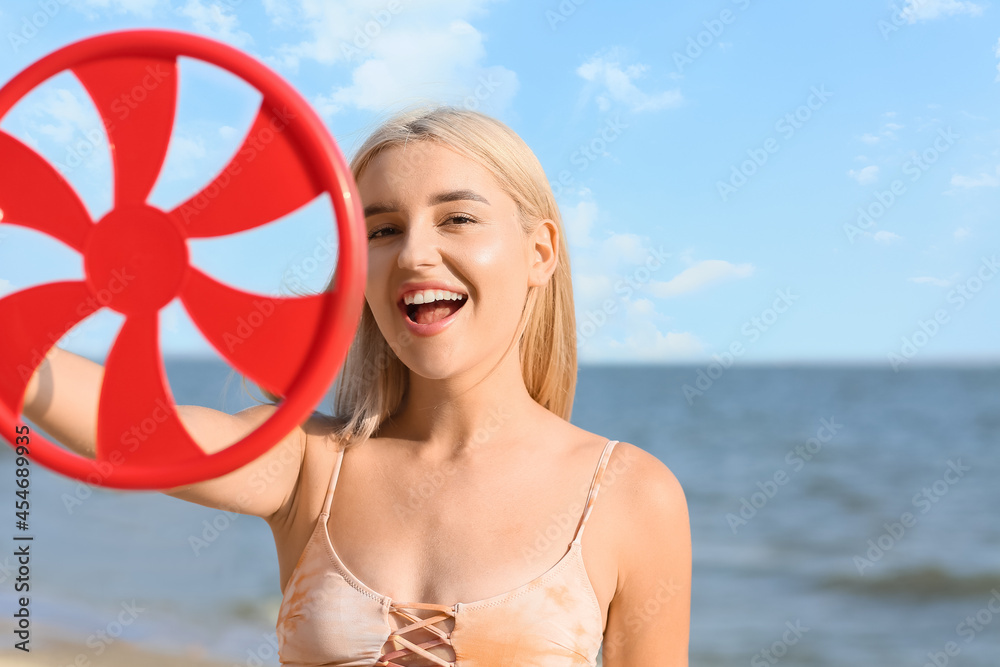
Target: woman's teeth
{"x": 428, "y": 296}
{"x": 434, "y": 311}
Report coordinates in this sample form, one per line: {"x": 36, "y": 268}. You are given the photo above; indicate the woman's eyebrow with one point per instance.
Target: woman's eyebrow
{"x": 377, "y": 209}
{"x": 441, "y": 198}
{"x": 457, "y": 195}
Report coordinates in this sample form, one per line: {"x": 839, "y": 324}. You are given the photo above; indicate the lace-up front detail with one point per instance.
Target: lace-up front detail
{"x": 409, "y": 647}
{"x": 330, "y": 618}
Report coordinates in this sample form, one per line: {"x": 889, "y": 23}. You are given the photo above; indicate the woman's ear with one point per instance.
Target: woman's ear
{"x": 544, "y": 255}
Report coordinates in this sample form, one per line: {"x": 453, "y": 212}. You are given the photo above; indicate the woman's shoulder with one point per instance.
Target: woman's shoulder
{"x": 323, "y": 431}
{"x": 646, "y": 469}
{"x": 634, "y": 477}
{"x": 640, "y": 466}
{"x": 322, "y": 441}
{"x": 640, "y": 485}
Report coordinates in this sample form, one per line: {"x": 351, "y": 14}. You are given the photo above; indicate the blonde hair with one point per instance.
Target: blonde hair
{"x": 373, "y": 381}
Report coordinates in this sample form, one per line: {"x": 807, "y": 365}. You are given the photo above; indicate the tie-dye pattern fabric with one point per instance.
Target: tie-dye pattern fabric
{"x": 329, "y": 618}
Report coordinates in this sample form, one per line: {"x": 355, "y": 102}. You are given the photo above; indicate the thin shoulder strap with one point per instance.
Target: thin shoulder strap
{"x": 595, "y": 487}
{"x": 328, "y": 501}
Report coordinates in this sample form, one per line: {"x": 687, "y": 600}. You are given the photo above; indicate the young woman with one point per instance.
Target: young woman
{"x": 438, "y": 518}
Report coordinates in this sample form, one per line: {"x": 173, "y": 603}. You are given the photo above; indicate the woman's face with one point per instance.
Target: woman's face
{"x": 435, "y": 216}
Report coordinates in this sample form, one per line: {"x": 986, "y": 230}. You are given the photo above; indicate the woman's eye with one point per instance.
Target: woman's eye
{"x": 377, "y": 233}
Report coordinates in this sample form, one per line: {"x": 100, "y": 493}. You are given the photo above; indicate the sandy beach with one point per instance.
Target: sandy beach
{"x": 119, "y": 654}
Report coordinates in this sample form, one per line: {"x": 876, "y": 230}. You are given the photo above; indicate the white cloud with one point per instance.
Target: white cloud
{"x": 325, "y": 105}
{"x": 188, "y": 148}
{"x": 185, "y": 156}
{"x": 640, "y": 308}
{"x": 30, "y": 140}
{"x": 974, "y": 116}
{"x": 928, "y": 280}
{"x": 625, "y": 247}
{"x": 66, "y": 116}
{"x": 617, "y": 84}
{"x": 6, "y": 287}
{"x": 887, "y": 131}
{"x": 961, "y": 233}
{"x": 62, "y": 125}
{"x": 631, "y": 334}
{"x": 645, "y": 342}
{"x": 426, "y": 52}
{"x": 279, "y": 11}
{"x": 865, "y": 176}
{"x": 701, "y": 275}
{"x": 615, "y": 293}
{"x": 590, "y": 287}
{"x": 600, "y": 268}
{"x": 883, "y": 236}
{"x": 617, "y": 318}
{"x": 926, "y": 10}
{"x": 435, "y": 63}
{"x": 328, "y": 25}
{"x": 984, "y": 180}
{"x": 578, "y": 221}
{"x": 215, "y": 20}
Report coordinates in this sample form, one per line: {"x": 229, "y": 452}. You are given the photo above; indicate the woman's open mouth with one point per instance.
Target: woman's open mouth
{"x": 429, "y": 318}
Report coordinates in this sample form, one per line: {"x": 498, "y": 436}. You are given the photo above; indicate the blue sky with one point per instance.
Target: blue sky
{"x": 780, "y": 182}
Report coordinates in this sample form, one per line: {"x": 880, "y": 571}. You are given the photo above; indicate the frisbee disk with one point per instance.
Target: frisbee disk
{"x": 136, "y": 260}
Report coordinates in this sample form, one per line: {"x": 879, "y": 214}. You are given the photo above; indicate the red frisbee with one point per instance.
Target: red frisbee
{"x": 136, "y": 260}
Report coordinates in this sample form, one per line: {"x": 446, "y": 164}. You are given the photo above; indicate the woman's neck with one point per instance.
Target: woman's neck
{"x": 457, "y": 416}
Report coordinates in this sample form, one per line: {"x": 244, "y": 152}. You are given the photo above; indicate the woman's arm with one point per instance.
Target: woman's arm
{"x": 650, "y": 614}
{"x": 62, "y": 398}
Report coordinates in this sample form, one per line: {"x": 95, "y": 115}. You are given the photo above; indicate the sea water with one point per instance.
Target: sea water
{"x": 840, "y": 515}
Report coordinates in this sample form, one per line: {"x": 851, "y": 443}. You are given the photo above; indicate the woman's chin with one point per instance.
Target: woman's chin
{"x": 427, "y": 369}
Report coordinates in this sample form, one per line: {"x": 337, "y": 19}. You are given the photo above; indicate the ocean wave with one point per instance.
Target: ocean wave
{"x": 930, "y": 582}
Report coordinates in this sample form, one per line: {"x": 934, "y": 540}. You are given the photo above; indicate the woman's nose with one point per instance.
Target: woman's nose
{"x": 418, "y": 246}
